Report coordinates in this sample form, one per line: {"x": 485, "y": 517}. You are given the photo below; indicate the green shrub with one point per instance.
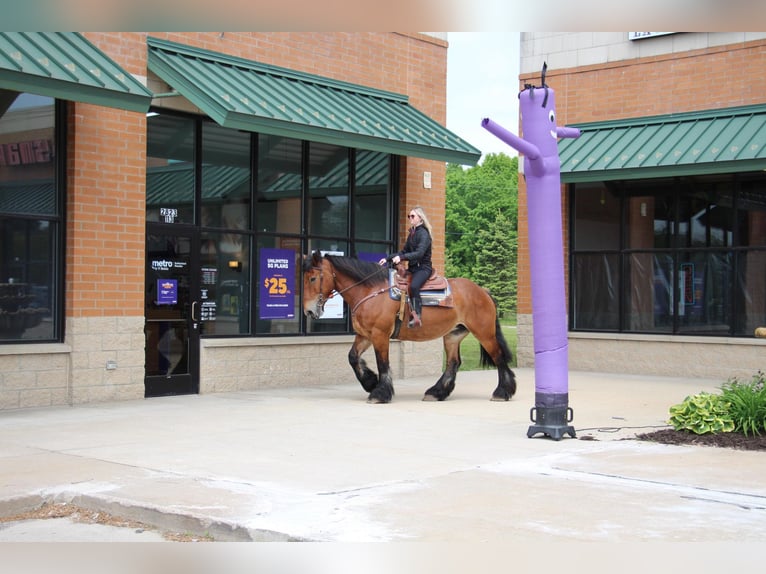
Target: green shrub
{"x": 701, "y": 414}
{"x": 747, "y": 404}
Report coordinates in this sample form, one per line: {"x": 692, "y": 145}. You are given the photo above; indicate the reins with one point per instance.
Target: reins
{"x": 322, "y": 298}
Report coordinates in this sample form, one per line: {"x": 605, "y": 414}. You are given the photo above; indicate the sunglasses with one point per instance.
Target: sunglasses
{"x": 412, "y": 216}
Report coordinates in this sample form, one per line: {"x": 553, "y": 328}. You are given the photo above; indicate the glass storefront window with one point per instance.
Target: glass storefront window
{"x": 751, "y": 213}
{"x": 225, "y": 283}
{"x": 170, "y": 179}
{"x": 280, "y": 185}
{"x": 225, "y": 177}
{"x": 705, "y": 216}
{"x": 257, "y": 203}
{"x": 328, "y": 190}
{"x": 704, "y": 293}
{"x": 750, "y": 292}
{"x": 30, "y": 222}
{"x": 371, "y": 198}
{"x": 595, "y": 291}
{"x": 692, "y": 260}
{"x": 596, "y": 218}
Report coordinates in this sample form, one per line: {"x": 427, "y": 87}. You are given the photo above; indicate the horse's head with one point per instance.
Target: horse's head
{"x": 318, "y": 284}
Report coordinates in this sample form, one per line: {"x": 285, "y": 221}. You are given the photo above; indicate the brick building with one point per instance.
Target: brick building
{"x": 664, "y": 199}
{"x": 145, "y": 180}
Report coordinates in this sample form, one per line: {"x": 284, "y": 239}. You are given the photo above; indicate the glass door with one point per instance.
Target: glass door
{"x": 172, "y": 312}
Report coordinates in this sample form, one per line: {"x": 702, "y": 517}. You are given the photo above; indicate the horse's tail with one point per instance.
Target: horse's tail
{"x": 485, "y": 359}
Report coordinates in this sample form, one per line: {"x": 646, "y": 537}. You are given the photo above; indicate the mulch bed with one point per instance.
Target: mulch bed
{"x": 722, "y": 440}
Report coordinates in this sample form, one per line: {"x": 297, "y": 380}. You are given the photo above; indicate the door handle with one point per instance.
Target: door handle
{"x": 194, "y": 305}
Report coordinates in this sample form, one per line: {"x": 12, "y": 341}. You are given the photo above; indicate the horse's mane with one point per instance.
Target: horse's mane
{"x": 366, "y": 272}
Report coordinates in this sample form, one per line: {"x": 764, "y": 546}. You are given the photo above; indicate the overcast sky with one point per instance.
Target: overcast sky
{"x": 482, "y": 81}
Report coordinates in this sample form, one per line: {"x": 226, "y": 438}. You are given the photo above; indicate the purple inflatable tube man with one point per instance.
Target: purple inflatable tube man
{"x": 542, "y": 170}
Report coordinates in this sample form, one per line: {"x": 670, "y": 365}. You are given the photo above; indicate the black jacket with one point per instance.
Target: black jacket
{"x": 417, "y": 248}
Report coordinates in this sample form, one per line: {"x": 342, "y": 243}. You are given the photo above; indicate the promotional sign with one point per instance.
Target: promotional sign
{"x": 167, "y": 291}
{"x": 277, "y": 284}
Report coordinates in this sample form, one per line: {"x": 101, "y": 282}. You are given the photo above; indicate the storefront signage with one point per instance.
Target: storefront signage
{"x": 167, "y": 291}
{"x": 277, "y": 284}
{"x": 169, "y": 214}
{"x": 642, "y": 35}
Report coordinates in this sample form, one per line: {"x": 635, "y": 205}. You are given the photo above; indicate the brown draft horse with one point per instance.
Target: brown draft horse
{"x": 365, "y": 288}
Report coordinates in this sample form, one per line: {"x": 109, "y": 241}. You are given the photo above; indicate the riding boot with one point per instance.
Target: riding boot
{"x": 416, "y": 306}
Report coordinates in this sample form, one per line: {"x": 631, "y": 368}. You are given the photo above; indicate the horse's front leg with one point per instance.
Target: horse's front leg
{"x": 365, "y": 376}
{"x": 384, "y": 391}
{"x": 446, "y": 383}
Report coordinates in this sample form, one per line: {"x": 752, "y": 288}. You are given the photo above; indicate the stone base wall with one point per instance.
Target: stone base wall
{"x": 76, "y": 372}
{"x": 662, "y": 355}
{"x": 79, "y": 370}
{"x": 34, "y": 376}
{"x": 525, "y": 344}
{"x": 250, "y": 364}
{"x": 98, "y": 340}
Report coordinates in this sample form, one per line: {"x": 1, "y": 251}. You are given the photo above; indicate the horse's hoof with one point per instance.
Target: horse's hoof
{"x": 429, "y": 398}
{"x": 376, "y": 401}
{"x": 500, "y": 399}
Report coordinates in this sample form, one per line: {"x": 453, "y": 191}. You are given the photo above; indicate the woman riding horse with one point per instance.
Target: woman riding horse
{"x": 364, "y": 287}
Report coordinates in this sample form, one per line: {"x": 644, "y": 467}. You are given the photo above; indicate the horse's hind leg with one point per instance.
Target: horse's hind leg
{"x": 366, "y": 377}
{"x": 446, "y": 383}
{"x": 506, "y": 384}
{"x": 495, "y": 351}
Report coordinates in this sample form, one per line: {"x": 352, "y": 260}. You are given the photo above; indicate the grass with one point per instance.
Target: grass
{"x": 470, "y": 350}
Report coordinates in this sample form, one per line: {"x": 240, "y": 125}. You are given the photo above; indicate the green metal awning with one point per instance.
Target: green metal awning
{"x": 246, "y": 95}
{"x": 67, "y": 66}
{"x": 714, "y": 141}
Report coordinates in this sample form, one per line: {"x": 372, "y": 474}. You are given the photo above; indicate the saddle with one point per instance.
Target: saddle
{"x": 435, "y": 292}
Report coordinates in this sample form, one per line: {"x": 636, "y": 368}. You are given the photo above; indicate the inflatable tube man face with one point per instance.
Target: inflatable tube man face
{"x": 538, "y": 119}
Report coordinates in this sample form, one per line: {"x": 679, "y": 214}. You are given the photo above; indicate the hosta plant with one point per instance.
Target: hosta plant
{"x": 701, "y": 414}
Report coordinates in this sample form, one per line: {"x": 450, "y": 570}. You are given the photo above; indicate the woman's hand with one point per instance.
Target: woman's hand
{"x": 395, "y": 260}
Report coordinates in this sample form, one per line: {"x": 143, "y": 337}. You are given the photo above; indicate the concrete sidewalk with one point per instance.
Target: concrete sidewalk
{"x": 320, "y": 464}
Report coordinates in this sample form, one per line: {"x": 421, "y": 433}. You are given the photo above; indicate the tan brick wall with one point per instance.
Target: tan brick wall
{"x": 106, "y": 169}
{"x": 711, "y": 78}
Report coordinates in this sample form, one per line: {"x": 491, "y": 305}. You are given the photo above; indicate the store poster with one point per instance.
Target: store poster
{"x": 277, "y": 283}
{"x": 167, "y": 291}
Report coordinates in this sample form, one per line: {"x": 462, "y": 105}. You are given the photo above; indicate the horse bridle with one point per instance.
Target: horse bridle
{"x": 321, "y": 299}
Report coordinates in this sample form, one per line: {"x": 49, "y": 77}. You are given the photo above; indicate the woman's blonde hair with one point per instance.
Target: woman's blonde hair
{"x": 422, "y": 214}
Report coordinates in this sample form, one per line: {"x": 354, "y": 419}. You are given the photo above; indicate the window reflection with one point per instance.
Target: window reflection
{"x": 328, "y": 190}
{"x": 371, "y": 196}
{"x": 170, "y": 177}
{"x": 692, "y": 260}
{"x": 29, "y": 217}
{"x": 279, "y": 185}
{"x": 225, "y": 283}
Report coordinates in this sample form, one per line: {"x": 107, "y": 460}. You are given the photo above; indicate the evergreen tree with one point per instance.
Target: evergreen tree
{"x": 496, "y": 263}
{"x": 478, "y": 200}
